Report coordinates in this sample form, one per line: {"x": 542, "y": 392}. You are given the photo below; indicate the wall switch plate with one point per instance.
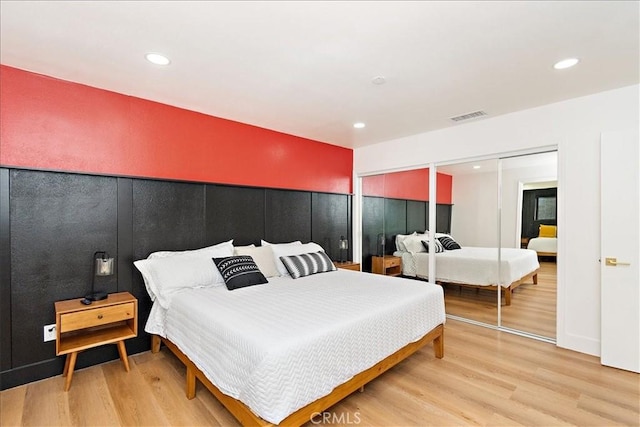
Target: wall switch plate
{"x": 50, "y": 332}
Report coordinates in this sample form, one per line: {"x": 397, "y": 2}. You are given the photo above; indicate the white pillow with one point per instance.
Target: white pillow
{"x": 414, "y": 243}
{"x": 286, "y": 250}
{"x": 165, "y": 275}
{"x": 237, "y": 248}
{"x": 197, "y": 252}
{"x": 263, "y": 257}
{"x": 400, "y": 238}
{"x": 265, "y": 243}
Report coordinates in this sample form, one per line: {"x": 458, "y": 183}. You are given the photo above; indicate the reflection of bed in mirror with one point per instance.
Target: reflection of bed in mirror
{"x": 544, "y": 246}
{"x": 474, "y": 266}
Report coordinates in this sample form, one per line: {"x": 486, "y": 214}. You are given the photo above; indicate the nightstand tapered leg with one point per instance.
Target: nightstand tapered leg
{"x": 71, "y": 362}
{"x": 66, "y": 365}
{"x": 123, "y": 355}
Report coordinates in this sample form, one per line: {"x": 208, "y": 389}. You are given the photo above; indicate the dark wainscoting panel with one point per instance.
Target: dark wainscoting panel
{"x": 287, "y": 216}
{"x": 443, "y": 218}
{"x": 395, "y": 222}
{"x": 58, "y": 221}
{"x": 417, "y": 216}
{"x": 5, "y": 273}
{"x": 125, "y": 235}
{"x": 329, "y": 220}
{"x": 166, "y": 216}
{"x": 372, "y": 226}
{"x": 235, "y": 213}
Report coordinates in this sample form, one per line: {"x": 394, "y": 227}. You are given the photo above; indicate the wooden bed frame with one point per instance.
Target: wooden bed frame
{"x": 506, "y": 291}
{"x": 303, "y": 415}
{"x": 554, "y": 254}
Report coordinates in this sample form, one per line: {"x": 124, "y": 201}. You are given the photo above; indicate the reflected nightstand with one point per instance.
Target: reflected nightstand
{"x": 388, "y": 265}
{"x": 348, "y": 265}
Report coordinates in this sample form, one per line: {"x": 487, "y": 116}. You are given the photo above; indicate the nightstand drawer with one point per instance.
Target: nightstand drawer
{"x": 96, "y": 317}
{"x": 391, "y": 262}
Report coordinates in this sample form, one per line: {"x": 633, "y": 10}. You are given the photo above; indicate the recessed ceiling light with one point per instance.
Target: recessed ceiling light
{"x": 359, "y": 125}
{"x": 566, "y": 63}
{"x": 477, "y": 166}
{"x": 158, "y": 59}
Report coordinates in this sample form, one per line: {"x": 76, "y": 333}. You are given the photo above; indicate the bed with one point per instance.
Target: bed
{"x": 341, "y": 330}
{"x": 544, "y": 246}
{"x": 473, "y": 266}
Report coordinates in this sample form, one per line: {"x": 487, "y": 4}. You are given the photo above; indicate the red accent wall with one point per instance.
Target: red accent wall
{"x": 373, "y": 185}
{"x": 444, "y": 184}
{"x": 411, "y": 185}
{"x": 52, "y": 124}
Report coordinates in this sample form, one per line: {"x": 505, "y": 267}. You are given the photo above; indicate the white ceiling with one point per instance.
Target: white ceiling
{"x": 545, "y": 161}
{"x": 305, "y": 68}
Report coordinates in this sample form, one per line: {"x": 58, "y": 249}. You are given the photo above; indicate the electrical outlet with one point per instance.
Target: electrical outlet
{"x": 50, "y": 332}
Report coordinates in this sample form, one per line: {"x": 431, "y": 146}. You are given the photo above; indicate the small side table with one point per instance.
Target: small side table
{"x": 348, "y": 265}
{"x": 80, "y": 327}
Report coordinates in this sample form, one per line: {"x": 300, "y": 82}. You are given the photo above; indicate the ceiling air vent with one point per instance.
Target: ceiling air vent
{"x": 468, "y": 116}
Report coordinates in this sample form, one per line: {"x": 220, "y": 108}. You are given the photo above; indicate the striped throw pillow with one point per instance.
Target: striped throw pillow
{"x": 306, "y": 264}
{"x": 448, "y": 243}
{"x": 437, "y": 246}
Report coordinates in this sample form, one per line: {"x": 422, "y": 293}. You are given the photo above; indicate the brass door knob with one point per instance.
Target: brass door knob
{"x": 613, "y": 262}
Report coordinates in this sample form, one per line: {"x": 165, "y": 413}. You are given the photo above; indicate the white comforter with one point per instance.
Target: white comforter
{"x": 280, "y": 346}
{"x": 472, "y": 265}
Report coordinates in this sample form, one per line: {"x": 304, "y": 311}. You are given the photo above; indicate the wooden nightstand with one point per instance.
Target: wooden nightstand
{"x": 388, "y": 265}
{"x": 80, "y": 327}
{"x": 348, "y": 265}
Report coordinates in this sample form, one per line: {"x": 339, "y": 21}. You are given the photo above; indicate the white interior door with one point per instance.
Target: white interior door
{"x": 620, "y": 250}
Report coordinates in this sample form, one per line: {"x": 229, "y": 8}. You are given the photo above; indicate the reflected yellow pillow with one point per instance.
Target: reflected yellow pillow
{"x": 547, "y": 231}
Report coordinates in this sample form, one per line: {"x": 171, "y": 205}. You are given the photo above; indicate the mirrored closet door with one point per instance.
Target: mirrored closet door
{"x": 528, "y": 220}
{"x": 467, "y": 274}
{"x": 502, "y": 212}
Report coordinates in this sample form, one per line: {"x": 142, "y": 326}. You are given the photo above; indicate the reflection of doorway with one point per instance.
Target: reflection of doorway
{"x": 529, "y": 200}
{"x": 537, "y": 305}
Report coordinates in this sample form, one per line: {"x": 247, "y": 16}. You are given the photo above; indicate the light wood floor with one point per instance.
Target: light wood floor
{"x": 532, "y": 309}
{"x": 486, "y": 378}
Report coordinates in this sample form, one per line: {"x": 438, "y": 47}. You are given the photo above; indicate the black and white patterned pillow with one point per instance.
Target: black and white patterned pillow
{"x": 437, "y": 246}
{"x": 239, "y": 271}
{"x": 307, "y": 264}
{"x": 448, "y": 243}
